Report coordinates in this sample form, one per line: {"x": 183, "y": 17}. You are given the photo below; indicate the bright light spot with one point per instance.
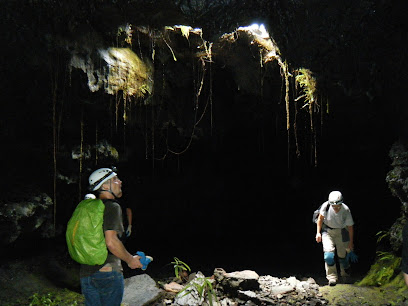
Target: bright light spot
{"x": 256, "y": 29}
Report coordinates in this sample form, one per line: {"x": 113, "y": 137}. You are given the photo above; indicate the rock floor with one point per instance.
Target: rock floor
{"x": 20, "y": 279}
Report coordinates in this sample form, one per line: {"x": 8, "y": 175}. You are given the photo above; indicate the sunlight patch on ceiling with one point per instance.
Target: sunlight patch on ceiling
{"x": 268, "y": 51}
{"x": 125, "y": 72}
{"x": 256, "y": 29}
{"x": 260, "y": 36}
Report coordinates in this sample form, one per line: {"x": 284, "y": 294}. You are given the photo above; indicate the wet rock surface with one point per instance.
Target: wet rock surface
{"x": 29, "y": 216}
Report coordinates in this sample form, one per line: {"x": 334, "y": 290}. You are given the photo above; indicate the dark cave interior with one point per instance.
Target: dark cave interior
{"x": 239, "y": 197}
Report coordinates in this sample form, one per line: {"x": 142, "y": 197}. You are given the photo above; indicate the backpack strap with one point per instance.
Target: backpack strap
{"x": 324, "y": 225}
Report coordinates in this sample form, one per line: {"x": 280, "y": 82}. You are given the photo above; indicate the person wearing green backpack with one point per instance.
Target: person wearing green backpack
{"x": 103, "y": 284}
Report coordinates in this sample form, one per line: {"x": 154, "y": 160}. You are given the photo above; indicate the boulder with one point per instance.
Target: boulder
{"x": 140, "y": 290}
{"x": 239, "y": 280}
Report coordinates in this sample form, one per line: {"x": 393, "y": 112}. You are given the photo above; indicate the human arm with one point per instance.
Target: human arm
{"x": 351, "y": 235}
{"x": 117, "y": 248}
{"x": 129, "y": 219}
{"x": 319, "y": 225}
{"x": 129, "y": 215}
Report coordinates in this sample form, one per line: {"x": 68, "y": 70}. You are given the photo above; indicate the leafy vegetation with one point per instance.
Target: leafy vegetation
{"x": 382, "y": 271}
{"x": 203, "y": 286}
{"x": 179, "y": 268}
{"x": 63, "y": 298}
{"x": 307, "y": 82}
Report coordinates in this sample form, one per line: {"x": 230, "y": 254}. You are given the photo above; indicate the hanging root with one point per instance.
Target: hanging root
{"x": 308, "y": 84}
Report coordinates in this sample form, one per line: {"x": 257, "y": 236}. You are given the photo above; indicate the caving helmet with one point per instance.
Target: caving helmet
{"x": 335, "y": 198}
{"x": 100, "y": 176}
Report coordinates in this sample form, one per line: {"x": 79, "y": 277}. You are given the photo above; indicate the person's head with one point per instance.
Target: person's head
{"x": 335, "y": 198}
{"x": 105, "y": 181}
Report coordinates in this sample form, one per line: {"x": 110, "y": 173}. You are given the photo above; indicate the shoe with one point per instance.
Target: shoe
{"x": 144, "y": 260}
{"x": 332, "y": 282}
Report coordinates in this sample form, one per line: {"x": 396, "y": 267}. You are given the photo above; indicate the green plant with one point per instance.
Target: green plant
{"x": 204, "y": 288}
{"x": 51, "y": 299}
{"x": 180, "y": 267}
{"x": 307, "y": 82}
{"x": 381, "y": 235}
{"x": 382, "y": 271}
{"x": 47, "y": 299}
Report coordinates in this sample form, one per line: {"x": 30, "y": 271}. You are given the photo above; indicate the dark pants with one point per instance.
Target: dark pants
{"x": 103, "y": 288}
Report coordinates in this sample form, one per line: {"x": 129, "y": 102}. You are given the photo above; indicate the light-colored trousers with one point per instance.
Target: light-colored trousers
{"x": 332, "y": 241}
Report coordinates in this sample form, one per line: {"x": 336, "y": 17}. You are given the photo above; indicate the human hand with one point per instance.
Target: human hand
{"x": 318, "y": 237}
{"x": 352, "y": 257}
{"x": 128, "y": 230}
{"x": 135, "y": 262}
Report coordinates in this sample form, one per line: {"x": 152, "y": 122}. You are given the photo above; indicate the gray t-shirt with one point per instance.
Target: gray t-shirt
{"x": 112, "y": 220}
{"x": 336, "y": 220}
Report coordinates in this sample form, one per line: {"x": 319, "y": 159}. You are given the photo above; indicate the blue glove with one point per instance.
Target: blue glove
{"x": 352, "y": 257}
{"x": 144, "y": 260}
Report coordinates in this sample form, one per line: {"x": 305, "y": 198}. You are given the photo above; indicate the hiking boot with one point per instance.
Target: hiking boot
{"x": 332, "y": 282}
{"x": 144, "y": 260}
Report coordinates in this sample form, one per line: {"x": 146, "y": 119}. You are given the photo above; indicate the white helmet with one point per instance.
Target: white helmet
{"x": 100, "y": 176}
{"x": 335, "y": 198}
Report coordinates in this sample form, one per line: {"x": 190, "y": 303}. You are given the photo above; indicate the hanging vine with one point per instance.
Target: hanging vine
{"x": 307, "y": 82}
{"x": 133, "y": 77}
{"x": 81, "y": 154}
{"x": 196, "y": 122}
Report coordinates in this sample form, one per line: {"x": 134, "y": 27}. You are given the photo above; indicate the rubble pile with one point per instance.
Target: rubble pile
{"x": 245, "y": 288}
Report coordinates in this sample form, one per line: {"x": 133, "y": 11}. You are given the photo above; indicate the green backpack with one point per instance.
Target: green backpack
{"x": 84, "y": 235}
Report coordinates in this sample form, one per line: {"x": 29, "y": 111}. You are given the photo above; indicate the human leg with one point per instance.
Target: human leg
{"x": 342, "y": 242}
{"x": 111, "y": 286}
{"x": 329, "y": 261}
{"x": 103, "y": 289}
{"x": 90, "y": 293}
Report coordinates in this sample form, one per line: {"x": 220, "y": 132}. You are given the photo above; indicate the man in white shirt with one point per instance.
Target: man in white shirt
{"x": 335, "y": 231}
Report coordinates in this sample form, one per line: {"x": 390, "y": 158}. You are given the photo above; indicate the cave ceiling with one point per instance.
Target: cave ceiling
{"x": 196, "y": 60}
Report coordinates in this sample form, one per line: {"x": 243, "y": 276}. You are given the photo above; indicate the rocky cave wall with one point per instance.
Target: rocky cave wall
{"x": 355, "y": 50}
